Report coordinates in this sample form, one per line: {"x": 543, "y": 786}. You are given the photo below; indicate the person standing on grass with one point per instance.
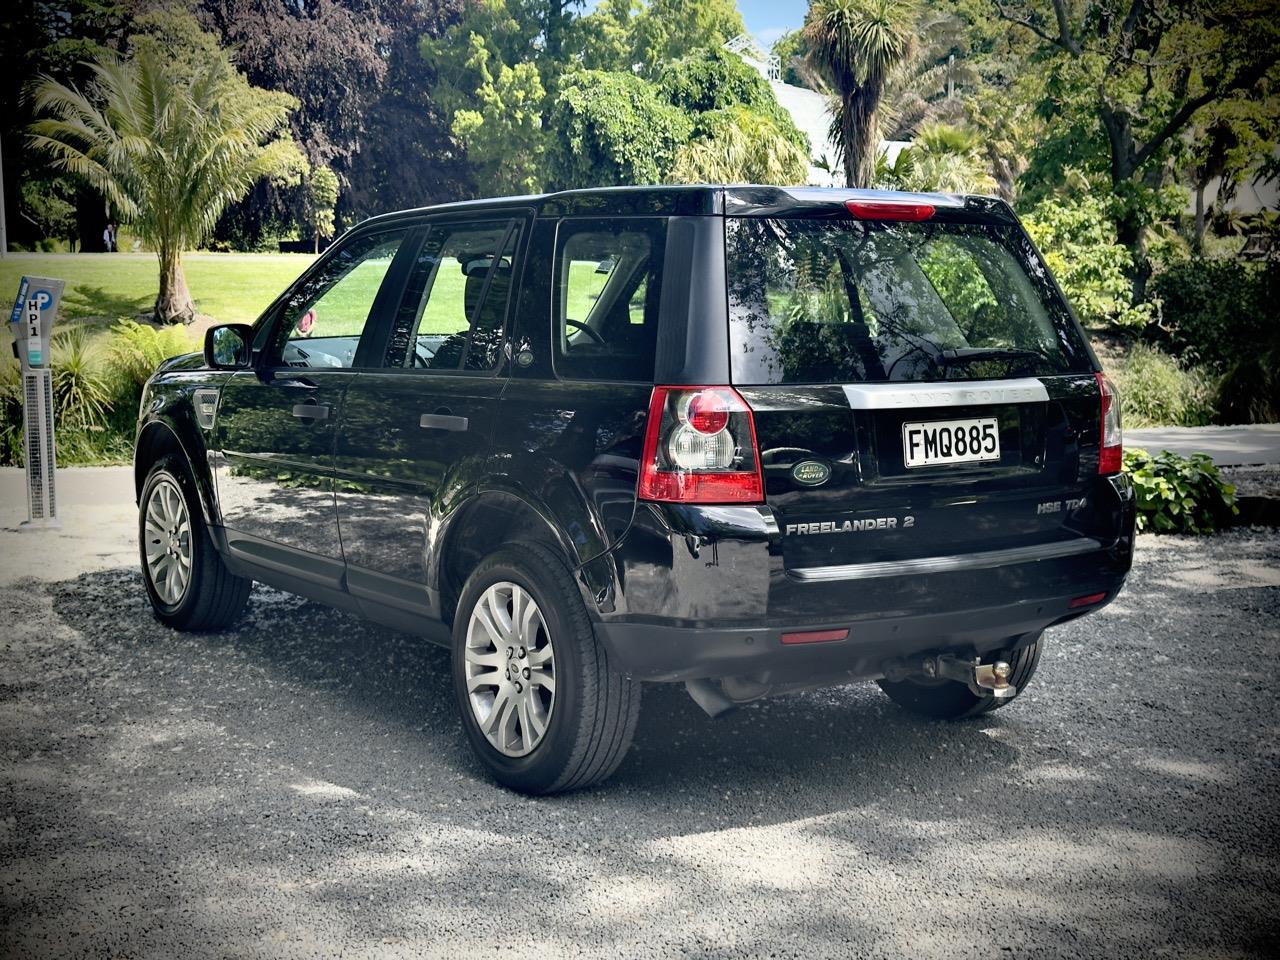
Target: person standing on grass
{"x": 113, "y": 247}
{"x": 106, "y": 238}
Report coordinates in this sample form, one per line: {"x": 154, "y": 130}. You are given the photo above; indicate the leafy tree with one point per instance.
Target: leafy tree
{"x": 713, "y": 79}
{"x": 611, "y": 128}
{"x": 1079, "y": 244}
{"x": 52, "y": 38}
{"x": 408, "y": 157}
{"x": 504, "y": 137}
{"x": 643, "y": 35}
{"x": 322, "y": 188}
{"x": 792, "y": 51}
{"x": 1128, "y": 78}
{"x": 337, "y": 58}
{"x": 667, "y": 30}
{"x": 929, "y": 86}
{"x": 857, "y": 43}
{"x": 740, "y": 145}
{"x": 170, "y": 137}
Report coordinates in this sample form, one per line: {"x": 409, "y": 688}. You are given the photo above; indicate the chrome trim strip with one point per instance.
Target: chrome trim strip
{"x": 971, "y": 393}
{"x": 982, "y": 560}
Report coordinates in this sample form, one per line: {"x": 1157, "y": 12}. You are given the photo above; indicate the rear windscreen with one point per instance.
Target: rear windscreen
{"x": 856, "y": 301}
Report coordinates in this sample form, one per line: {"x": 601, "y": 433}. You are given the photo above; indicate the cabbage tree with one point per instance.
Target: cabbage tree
{"x": 856, "y": 44}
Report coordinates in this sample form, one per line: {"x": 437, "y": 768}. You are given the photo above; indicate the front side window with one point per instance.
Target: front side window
{"x": 849, "y": 301}
{"x": 454, "y": 309}
{"x": 323, "y": 321}
{"x": 608, "y": 282}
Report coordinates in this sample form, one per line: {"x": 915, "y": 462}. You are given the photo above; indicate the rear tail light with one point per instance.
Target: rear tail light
{"x": 1111, "y": 453}
{"x": 908, "y": 211}
{"x": 700, "y": 447}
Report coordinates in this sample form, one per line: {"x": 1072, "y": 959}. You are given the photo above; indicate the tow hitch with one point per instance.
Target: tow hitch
{"x": 984, "y": 679}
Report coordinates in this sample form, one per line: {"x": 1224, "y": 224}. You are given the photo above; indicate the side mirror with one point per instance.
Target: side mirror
{"x": 228, "y": 347}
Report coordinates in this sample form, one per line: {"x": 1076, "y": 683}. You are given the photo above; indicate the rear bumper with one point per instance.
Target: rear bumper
{"x": 653, "y": 651}
{"x": 703, "y": 593}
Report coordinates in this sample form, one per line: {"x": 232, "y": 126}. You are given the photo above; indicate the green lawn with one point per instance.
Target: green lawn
{"x": 233, "y": 288}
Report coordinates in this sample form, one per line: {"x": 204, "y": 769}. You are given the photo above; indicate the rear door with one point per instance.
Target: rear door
{"x": 919, "y": 388}
{"x": 420, "y": 425}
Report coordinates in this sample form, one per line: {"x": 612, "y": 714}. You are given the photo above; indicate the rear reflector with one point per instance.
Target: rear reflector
{"x": 1088, "y": 601}
{"x": 889, "y": 210}
{"x": 815, "y": 636}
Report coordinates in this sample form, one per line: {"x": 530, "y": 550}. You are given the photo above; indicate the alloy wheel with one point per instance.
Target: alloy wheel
{"x": 168, "y": 541}
{"x": 510, "y": 669}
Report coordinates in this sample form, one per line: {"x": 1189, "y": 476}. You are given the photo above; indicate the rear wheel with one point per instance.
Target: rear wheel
{"x": 951, "y": 700}
{"x": 189, "y": 586}
{"x": 542, "y": 707}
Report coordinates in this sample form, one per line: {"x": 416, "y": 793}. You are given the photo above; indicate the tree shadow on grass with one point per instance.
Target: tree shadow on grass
{"x": 96, "y": 304}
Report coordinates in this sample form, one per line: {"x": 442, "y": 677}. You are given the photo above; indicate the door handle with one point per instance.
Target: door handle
{"x": 442, "y": 421}
{"x": 311, "y": 411}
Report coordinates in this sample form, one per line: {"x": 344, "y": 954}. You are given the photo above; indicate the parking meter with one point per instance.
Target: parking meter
{"x": 34, "y": 311}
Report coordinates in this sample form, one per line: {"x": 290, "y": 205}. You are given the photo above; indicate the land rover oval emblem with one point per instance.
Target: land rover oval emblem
{"x": 810, "y": 472}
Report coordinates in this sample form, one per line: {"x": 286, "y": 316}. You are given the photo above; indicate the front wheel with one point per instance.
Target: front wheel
{"x": 189, "y": 586}
{"x": 542, "y": 707}
{"x": 951, "y": 700}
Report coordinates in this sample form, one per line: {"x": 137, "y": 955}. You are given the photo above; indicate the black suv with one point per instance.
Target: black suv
{"x": 750, "y": 439}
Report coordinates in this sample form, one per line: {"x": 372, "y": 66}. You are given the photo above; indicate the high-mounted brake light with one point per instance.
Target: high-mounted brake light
{"x": 904, "y": 210}
{"x": 1110, "y": 433}
{"x": 700, "y": 447}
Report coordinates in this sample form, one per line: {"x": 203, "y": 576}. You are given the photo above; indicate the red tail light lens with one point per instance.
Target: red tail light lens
{"x": 1087, "y": 601}
{"x": 906, "y": 211}
{"x": 1111, "y": 436}
{"x": 700, "y": 447}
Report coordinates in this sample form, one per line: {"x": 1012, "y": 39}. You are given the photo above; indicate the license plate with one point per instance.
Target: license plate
{"x": 950, "y": 441}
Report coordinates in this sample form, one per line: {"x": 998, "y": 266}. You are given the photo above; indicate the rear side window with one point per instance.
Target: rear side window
{"x": 854, "y": 301}
{"x": 608, "y": 281}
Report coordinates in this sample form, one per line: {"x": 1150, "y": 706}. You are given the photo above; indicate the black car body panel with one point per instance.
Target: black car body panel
{"x": 375, "y": 485}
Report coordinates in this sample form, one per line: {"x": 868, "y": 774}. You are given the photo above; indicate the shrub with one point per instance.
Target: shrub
{"x": 136, "y": 349}
{"x": 1078, "y": 241}
{"x": 1250, "y": 390}
{"x": 10, "y": 412}
{"x": 1179, "y": 494}
{"x": 1215, "y": 311}
{"x": 82, "y": 388}
{"x": 1157, "y": 391}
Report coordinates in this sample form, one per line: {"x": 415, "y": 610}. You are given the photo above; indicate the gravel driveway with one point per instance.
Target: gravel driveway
{"x": 300, "y": 787}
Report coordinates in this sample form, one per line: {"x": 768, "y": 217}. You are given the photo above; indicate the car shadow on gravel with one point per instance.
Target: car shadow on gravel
{"x": 828, "y": 750}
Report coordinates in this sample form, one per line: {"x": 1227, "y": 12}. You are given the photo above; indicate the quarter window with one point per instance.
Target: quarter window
{"x": 608, "y": 283}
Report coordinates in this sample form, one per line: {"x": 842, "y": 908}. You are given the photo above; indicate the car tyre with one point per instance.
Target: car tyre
{"x": 951, "y": 700}
{"x": 189, "y": 586}
{"x": 520, "y": 622}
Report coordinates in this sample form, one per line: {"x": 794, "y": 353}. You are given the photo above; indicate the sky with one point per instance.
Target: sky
{"x": 767, "y": 20}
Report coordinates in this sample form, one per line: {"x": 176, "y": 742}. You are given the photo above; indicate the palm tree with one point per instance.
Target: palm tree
{"x": 856, "y": 44}
{"x": 170, "y": 144}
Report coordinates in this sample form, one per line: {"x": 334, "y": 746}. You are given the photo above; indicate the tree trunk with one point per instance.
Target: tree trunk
{"x": 860, "y": 135}
{"x": 1197, "y": 240}
{"x": 174, "y": 304}
{"x": 1132, "y": 235}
